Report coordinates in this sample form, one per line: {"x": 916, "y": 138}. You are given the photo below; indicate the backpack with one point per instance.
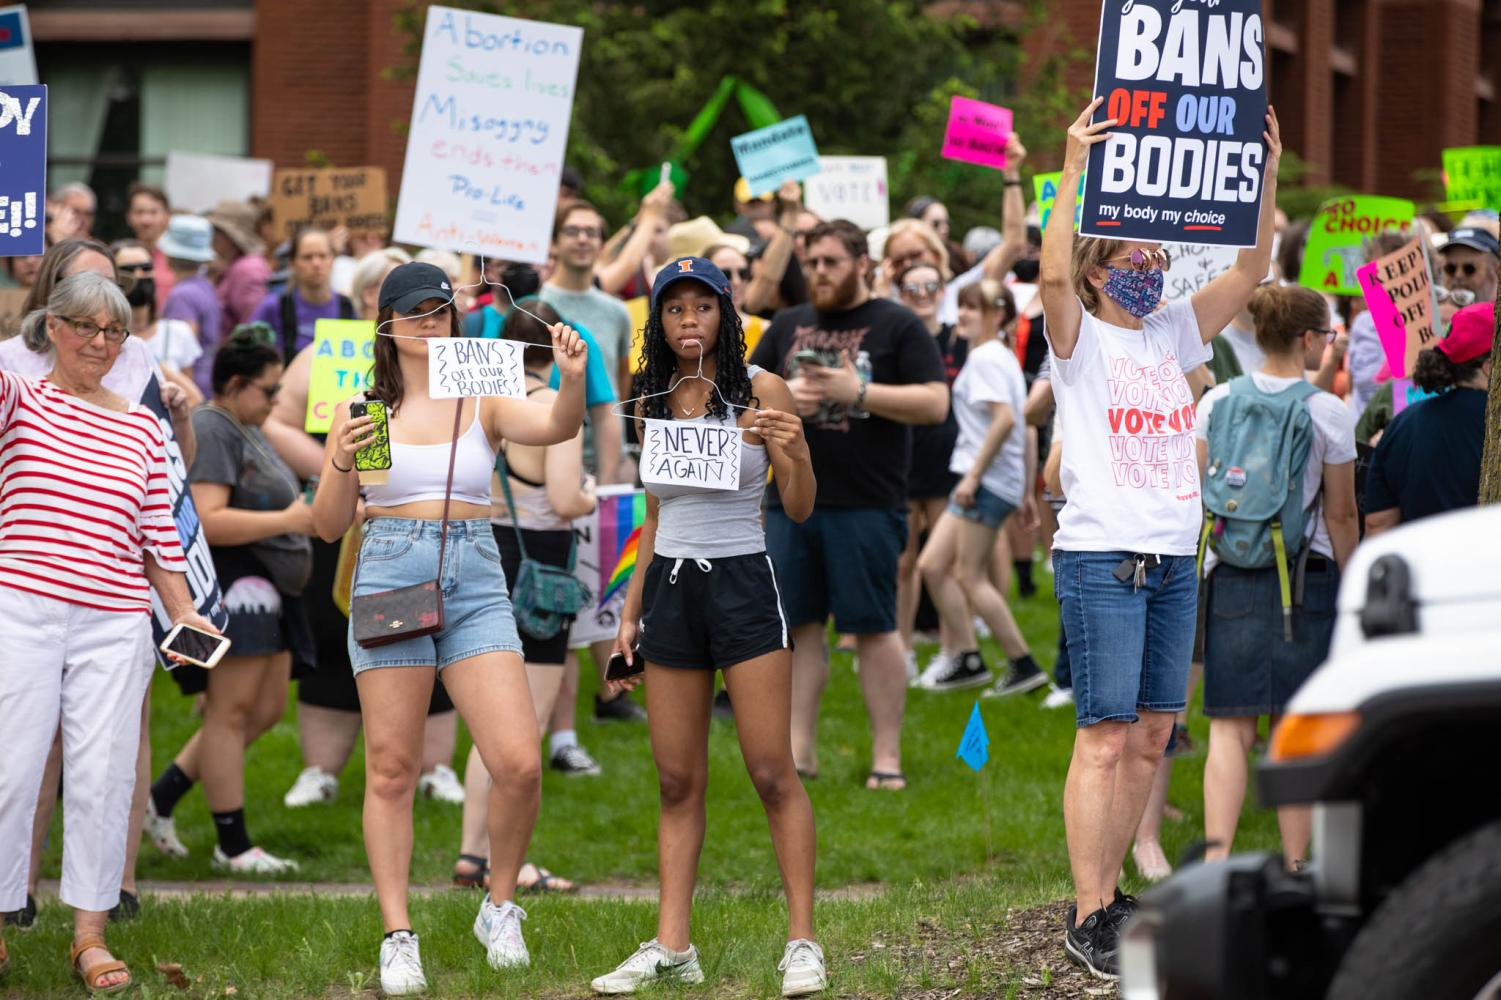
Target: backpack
{"x": 1254, "y": 512}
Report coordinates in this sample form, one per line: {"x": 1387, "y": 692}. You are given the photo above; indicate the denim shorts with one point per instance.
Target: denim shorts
{"x": 477, "y": 616}
{"x": 840, "y": 561}
{"x": 1128, "y": 647}
{"x": 989, "y": 509}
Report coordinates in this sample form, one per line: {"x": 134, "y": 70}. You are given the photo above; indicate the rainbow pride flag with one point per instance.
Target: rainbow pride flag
{"x": 620, "y": 519}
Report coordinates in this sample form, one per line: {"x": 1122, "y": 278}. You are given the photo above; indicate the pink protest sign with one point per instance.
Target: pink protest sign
{"x": 977, "y": 133}
{"x": 1399, "y": 293}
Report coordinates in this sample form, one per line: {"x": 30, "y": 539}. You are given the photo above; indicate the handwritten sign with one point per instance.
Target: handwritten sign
{"x": 850, "y": 187}
{"x": 1045, "y": 191}
{"x": 1398, "y": 290}
{"x": 196, "y": 182}
{"x": 23, "y": 170}
{"x": 1194, "y": 266}
{"x": 468, "y": 366}
{"x": 343, "y": 357}
{"x": 1473, "y": 174}
{"x": 781, "y": 152}
{"x": 353, "y": 197}
{"x": 977, "y": 133}
{"x": 1333, "y": 253}
{"x": 691, "y": 453}
{"x": 489, "y": 126}
{"x": 1188, "y": 86}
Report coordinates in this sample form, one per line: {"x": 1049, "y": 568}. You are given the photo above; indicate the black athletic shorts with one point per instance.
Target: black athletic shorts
{"x": 552, "y": 548}
{"x": 711, "y": 614}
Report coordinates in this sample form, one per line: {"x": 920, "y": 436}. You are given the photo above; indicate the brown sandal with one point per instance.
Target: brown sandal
{"x": 90, "y": 975}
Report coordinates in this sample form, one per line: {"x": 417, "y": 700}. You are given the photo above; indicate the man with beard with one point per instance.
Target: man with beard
{"x": 860, "y": 369}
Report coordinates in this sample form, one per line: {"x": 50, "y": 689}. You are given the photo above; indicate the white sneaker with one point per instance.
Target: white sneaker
{"x": 1058, "y": 697}
{"x": 651, "y": 962}
{"x": 401, "y": 965}
{"x": 443, "y": 784}
{"x": 499, "y": 930}
{"x": 162, "y": 832}
{"x": 313, "y": 785}
{"x": 982, "y": 628}
{"x": 255, "y": 861}
{"x": 912, "y": 671}
{"x": 802, "y": 969}
{"x": 936, "y": 668}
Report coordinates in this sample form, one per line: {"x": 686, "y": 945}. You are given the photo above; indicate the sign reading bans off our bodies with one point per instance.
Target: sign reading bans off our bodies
{"x": 691, "y": 453}
{"x": 469, "y": 366}
{"x": 1186, "y": 80}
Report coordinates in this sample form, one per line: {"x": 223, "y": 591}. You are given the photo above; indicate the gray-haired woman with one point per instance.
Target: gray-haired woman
{"x": 85, "y": 532}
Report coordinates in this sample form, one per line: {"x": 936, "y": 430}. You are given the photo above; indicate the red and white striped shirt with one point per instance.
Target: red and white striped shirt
{"x": 83, "y": 495}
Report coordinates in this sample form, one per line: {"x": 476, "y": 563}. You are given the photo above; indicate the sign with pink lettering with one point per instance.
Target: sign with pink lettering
{"x": 977, "y": 133}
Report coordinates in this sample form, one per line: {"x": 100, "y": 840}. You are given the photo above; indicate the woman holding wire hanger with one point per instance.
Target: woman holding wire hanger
{"x": 708, "y": 600}
{"x": 413, "y": 517}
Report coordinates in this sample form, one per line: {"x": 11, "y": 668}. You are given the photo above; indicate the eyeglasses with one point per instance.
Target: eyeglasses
{"x": 580, "y": 232}
{"x": 916, "y": 288}
{"x": 1323, "y": 331}
{"x": 1145, "y": 260}
{"x": 825, "y": 263}
{"x": 1461, "y": 297}
{"x": 88, "y": 330}
{"x": 1467, "y": 269}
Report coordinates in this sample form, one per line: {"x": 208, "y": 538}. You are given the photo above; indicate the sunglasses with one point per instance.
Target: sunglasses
{"x": 1459, "y": 296}
{"x": 1145, "y": 260}
{"x": 145, "y": 267}
{"x": 916, "y": 288}
{"x": 1468, "y": 270}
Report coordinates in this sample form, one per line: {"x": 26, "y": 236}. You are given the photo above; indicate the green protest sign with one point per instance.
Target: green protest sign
{"x": 1045, "y": 189}
{"x": 1473, "y": 174}
{"x": 1334, "y": 247}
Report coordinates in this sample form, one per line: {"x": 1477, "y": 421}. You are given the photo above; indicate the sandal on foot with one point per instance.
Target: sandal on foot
{"x": 545, "y": 882}
{"x": 890, "y": 781}
{"x": 91, "y": 974}
{"x": 128, "y": 908}
{"x": 471, "y": 880}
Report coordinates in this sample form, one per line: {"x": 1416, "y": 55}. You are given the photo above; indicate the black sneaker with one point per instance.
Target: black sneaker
{"x": 128, "y": 908}
{"x": 574, "y": 761}
{"x": 1093, "y": 944}
{"x": 621, "y": 708}
{"x": 1022, "y": 676}
{"x": 23, "y": 918}
{"x": 966, "y": 670}
{"x": 1121, "y": 909}
{"x": 722, "y": 708}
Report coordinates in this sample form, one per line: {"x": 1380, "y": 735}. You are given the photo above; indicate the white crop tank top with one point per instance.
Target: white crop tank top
{"x": 420, "y": 471}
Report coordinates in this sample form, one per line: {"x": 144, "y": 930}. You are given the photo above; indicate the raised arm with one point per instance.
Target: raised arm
{"x": 618, "y": 272}
{"x": 1013, "y": 215}
{"x": 1060, "y": 304}
{"x": 765, "y": 288}
{"x": 525, "y": 422}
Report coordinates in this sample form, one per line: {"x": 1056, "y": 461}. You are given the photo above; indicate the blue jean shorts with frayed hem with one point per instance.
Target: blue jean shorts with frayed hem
{"x": 989, "y": 509}
{"x": 1129, "y": 647}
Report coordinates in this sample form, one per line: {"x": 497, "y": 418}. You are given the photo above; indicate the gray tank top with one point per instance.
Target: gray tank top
{"x": 697, "y": 523}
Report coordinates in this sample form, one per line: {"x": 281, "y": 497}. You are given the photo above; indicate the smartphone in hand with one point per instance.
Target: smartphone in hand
{"x": 375, "y": 457}
{"x": 200, "y": 648}
{"x": 616, "y": 668}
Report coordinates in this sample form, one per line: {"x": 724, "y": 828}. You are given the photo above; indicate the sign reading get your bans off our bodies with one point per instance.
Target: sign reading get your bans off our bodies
{"x": 1186, "y": 80}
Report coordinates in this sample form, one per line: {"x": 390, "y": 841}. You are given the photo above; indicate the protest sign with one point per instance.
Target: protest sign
{"x": 691, "y": 453}
{"x": 23, "y": 170}
{"x": 353, "y": 197}
{"x": 17, "y": 60}
{"x": 1189, "y": 90}
{"x": 467, "y": 366}
{"x": 1333, "y": 252}
{"x": 489, "y": 126}
{"x": 606, "y": 544}
{"x": 1045, "y": 190}
{"x": 850, "y": 187}
{"x": 781, "y": 152}
{"x": 1473, "y": 174}
{"x": 1399, "y": 292}
{"x": 196, "y": 182}
{"x": 343, "y": 356}
{"x": 1194, "y": 265}
{"x": 977, "y": 133}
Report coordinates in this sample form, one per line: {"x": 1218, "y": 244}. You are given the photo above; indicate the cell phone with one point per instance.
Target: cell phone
{"x": 200, "y": 648}
{"x": 617, "y": 669}
{"x": 809, "y": 357}
{"x": 375, "y": 456}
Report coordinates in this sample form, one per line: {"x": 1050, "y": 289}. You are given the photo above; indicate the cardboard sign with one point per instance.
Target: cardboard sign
{"x": 850, "y": 187}
{"x": 1333, "y": 253}
{"x": 1188, "y": 85}
{"x": 489, "y": 125}
{"x": 1398, "y": 289}
{"x": 343, "y": 361}
{"x": 1045, "y": 191}
{"x": 17, "y": 60}
{"x": 23, "y": 170}
{"x": 353, "y": 197}
{"x": 781, "y": 152}
{"x": 977, "y": 133}
{"x": 606, "y": 543}
{"x": 470, "y": 366}
{"x": 1473, "y": 174}
{"x": 691, "y": 453}
{"x": 1194, "y": 265}
{"x": 196, "y": 182}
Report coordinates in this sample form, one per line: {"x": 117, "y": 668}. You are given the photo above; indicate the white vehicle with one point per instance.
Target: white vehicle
{"x": 1395, "y": 743}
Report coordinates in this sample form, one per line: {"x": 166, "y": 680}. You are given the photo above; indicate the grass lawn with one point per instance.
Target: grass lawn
{"x": 955, "y": 853}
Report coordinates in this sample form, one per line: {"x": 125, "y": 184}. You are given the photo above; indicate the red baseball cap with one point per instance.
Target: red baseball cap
{"x": 1472, "y": 333}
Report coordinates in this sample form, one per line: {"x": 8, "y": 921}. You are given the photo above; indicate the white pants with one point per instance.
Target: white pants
{"x": 87, "y": 669}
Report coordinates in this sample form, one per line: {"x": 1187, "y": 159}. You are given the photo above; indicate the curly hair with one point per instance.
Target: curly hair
{"x": 660, "y": 366}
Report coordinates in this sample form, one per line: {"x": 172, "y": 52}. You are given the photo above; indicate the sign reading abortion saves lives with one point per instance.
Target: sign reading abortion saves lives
{"x": 1186, "y": 81}
{"x": 488, "y": 130}
{"x": 468, "y": 366}
{"x": 691, "y": 453}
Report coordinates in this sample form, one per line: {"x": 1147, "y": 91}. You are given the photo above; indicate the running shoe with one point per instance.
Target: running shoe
{"x": 401, "y": 966}
{"x": 574, "y": 761}
{"x": 255, "y": 861}
{"x": 162, "y": 832}
{"x": 802, "y": 969}
{"x": 1058, "y": 697}
{"x": 650, "y": 963}
{"x": 499, "y": 930}
{"x": 313, "y": 785}
{"x": 443, "y": 784}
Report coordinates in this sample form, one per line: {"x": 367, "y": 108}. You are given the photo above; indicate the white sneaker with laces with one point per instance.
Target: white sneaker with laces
{"x": 802, "y": 969}
{"x": 401, "y": 965}
{"x": 255, "y": 861}
{"x": 651, "y": 962}
{"x": 443, "y": 784}
{"x": 499, "y": 930}
{"x": 162, "y": 832}
{"x": 1058, "y": 697}
{"x": 936, "y": 668}
{"x": 313, "y": 785}
{"x": 912, "y": 671}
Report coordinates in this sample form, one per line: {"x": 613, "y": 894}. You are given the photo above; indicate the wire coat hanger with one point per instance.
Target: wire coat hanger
{"x": 677, "y": 382}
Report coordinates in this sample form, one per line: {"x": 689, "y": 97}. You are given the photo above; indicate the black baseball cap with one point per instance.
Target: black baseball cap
{"x": 1472, "y": 237}
{"x": 697, "y": 268}
{"x": 410, "y": 285}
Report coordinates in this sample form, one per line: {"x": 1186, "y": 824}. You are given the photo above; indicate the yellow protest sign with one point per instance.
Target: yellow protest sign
{"x": 343, "y": 356}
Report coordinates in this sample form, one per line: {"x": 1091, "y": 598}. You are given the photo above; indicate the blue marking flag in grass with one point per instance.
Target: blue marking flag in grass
{"x": 974, "y": 745}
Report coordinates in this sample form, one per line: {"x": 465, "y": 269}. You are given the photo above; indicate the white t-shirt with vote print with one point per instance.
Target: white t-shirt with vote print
{"x": 1130, "y": 468}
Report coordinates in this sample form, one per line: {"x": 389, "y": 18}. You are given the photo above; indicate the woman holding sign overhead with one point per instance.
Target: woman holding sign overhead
{"x": 1124, "y": 550}
{"x": 429, "y": 595}
{"x": 708, "y": 600}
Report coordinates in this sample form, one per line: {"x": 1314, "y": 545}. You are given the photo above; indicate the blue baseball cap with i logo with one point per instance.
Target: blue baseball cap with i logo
{"x": 689, "y": 267}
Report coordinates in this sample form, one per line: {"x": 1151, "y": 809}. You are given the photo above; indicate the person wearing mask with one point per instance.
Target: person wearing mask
{"x": 257, "y": 523}
{"x": 294, "y": 313}
{"x": 1250, "y": 669}
{"x": 147, "y": 213}
{"x": 408, "y": 519}
{"x": 706, "y": 600}
{"x": 737, "y": 268}
{"x": 1428, "y": 460}
{"x": 1124, "y": 551}
{"x": 577, "y": 240}
{"x": 173, "y": 342}
{"x": 861, "y": 369}
{"x": 77, "y": 565}
{"x": 242, "y": 284}
{"x": 189, "y": 246}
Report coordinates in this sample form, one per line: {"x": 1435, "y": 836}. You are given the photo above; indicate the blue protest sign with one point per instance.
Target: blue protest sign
{"x": 1188, "y": 87}
{"x": 23, "y": 170}
{"x": 974, "y": 745}
{"x": 781, "y": 152}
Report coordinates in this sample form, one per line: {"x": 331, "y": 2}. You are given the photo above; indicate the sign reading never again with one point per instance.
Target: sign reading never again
{"x": 1185, "y": 162}
{"x": 691, "y": 453}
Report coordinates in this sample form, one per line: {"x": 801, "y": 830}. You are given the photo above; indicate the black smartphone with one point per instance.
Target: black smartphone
{"x": 617, "y": 669}
{"x": 376, "y": 455}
